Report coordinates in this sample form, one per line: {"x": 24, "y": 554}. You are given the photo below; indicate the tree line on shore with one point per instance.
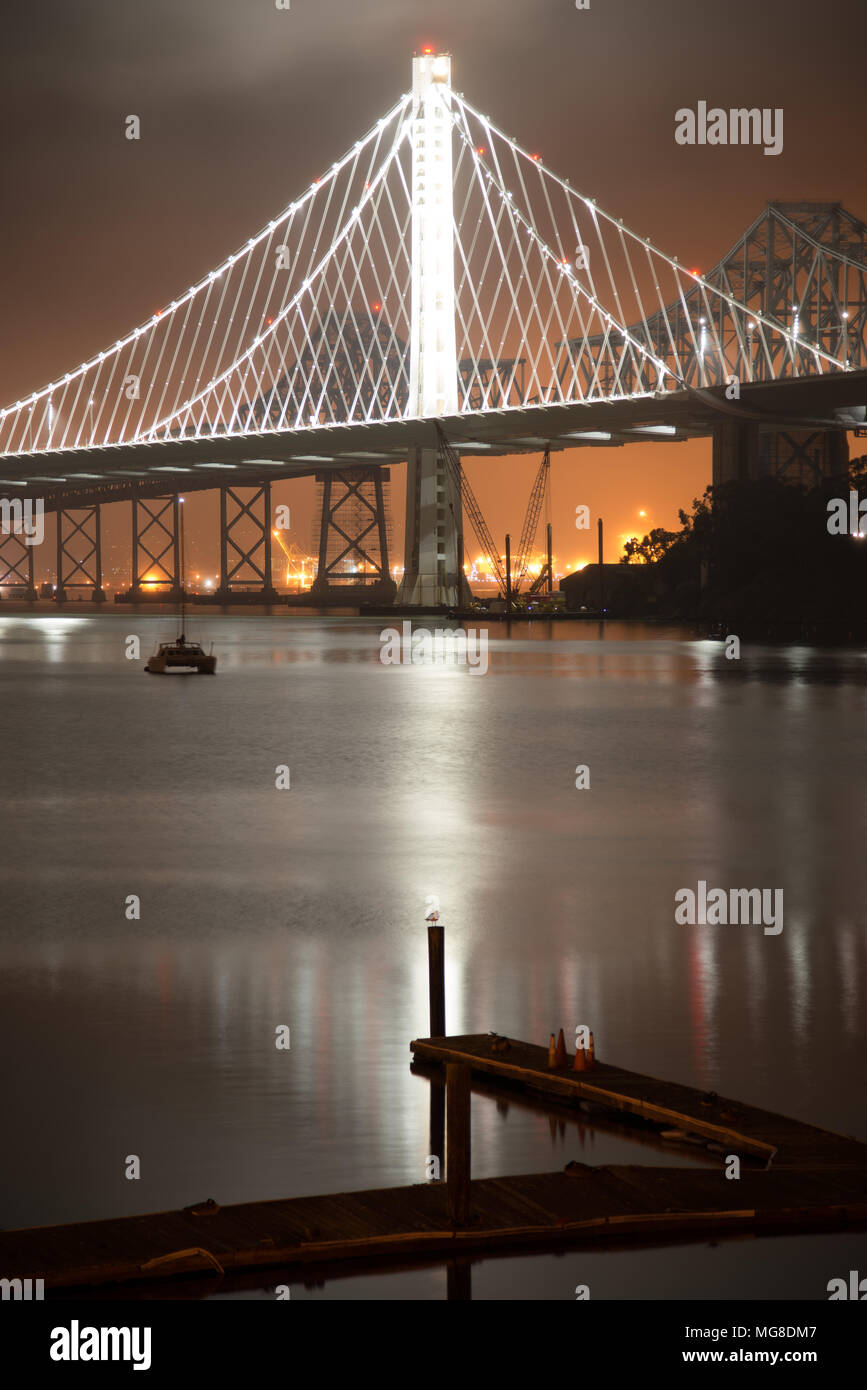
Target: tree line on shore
{"x": 759, "y": 552}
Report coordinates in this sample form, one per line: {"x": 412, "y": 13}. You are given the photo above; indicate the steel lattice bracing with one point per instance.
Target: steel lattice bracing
{"x": 489, "y": 385}
{"x": 245, "y": 542}
{"x": 79, "y": 551}
{"x": 155, "y": 543}
{"x": 800, "y": 266}
{"x": 312, "y": 322}
{"x": 353, "y": 539}
{"x": 352, "y": 359}
{"x": 16, "y": 564}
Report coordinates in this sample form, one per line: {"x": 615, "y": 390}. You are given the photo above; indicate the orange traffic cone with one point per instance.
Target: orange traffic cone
{"x": 560, "y": 1052}
{"x": 591, "y": 1053}
{"x": 552, "y": 1053}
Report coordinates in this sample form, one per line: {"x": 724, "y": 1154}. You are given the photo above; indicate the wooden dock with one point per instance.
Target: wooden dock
{"x": 581, "y": 1206}
{"x": 666, "y": 1105}
{"x": 810, "y": 1179}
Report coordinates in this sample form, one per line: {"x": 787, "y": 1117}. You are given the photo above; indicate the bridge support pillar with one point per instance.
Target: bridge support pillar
{"x": 245, "y": 543}
{"x": 735, "y": 452}
{"x": 16, "y": 565}
{"x": 743, "y": 453}
{"x": 433, "y": 555}
{"x": 79, "y": 551}
{"x": 353, "y": 537}
{"x": 155, "y": 545}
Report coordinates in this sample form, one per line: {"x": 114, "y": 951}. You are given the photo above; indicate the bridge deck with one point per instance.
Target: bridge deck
{"x": 117, "y": 471}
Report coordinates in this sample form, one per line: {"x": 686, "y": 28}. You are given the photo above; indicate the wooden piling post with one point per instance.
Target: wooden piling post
{"x": 601, "y": 568}
{"x": 459, "y": 1281}
{"x": 436, "y": 961}
{"x": 458, "y": 1146}
{"x": 438, "y": 1124}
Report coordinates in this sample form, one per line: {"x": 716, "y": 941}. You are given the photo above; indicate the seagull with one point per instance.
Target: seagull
{"x": 432, "y": 917}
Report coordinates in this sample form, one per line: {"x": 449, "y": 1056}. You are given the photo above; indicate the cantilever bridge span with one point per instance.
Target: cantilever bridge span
{"x": 439, "y": 273}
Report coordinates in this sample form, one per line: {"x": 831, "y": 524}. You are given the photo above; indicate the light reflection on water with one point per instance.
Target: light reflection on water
{"x": 306, "y": 907}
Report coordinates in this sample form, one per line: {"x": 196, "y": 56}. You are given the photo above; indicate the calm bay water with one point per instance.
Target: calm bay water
{"x": 306, "y": 907}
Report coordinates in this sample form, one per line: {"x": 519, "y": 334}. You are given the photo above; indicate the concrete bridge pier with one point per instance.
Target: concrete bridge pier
{"x": 433, "y": 547}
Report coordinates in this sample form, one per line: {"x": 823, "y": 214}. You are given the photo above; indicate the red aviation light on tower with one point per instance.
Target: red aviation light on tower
{"x": 440, "y": 66}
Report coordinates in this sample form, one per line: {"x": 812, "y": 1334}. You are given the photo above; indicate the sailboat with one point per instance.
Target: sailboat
{"x": 181, "y": 654}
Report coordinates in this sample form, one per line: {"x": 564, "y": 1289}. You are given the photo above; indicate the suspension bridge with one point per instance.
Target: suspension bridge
{"x": 438, "y": 293}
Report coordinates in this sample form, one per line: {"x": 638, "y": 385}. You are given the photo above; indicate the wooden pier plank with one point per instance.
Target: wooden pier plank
{"x": 542, "y": 1208}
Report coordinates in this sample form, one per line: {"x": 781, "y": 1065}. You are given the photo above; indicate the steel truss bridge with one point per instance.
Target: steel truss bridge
{"x": 440, "y": 276}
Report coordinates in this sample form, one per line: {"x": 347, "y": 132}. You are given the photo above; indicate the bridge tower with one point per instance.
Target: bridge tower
{"x": 433, "y": 563}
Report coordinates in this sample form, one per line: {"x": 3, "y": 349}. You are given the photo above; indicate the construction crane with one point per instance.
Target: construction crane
{"x": 472, "y": 508}
{"x": 528, "y": 530}
{"x": 539, "y": 582}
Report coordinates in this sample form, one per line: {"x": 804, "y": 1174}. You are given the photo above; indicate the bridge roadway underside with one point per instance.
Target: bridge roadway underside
{"x": 69, "y": 477}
